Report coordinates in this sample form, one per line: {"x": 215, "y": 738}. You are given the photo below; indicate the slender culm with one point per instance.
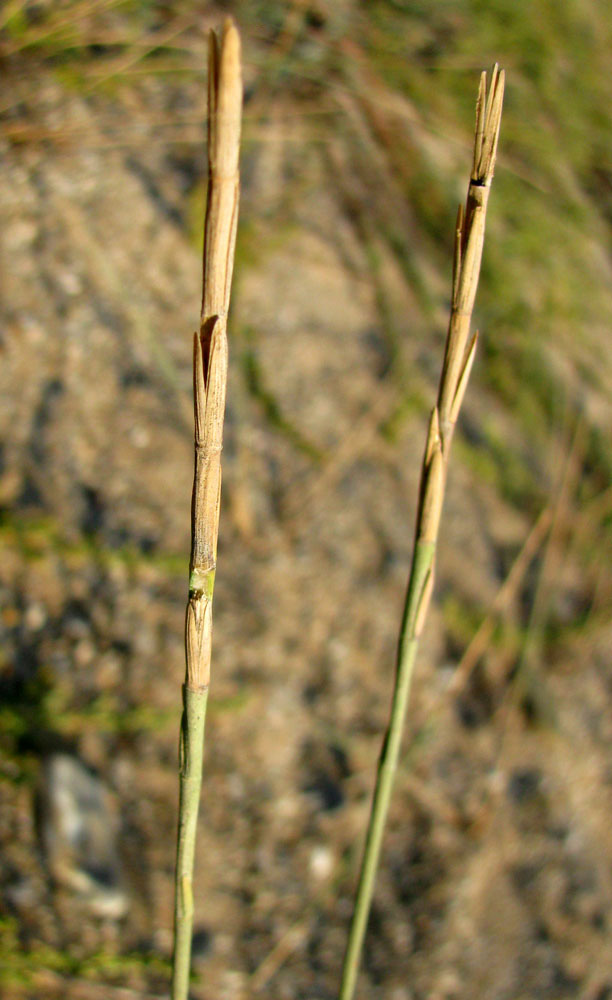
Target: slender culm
{"x": 458, "y": 359}
{"x": 209, "y": 385}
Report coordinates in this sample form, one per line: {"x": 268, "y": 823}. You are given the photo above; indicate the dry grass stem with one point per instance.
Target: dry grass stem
{"x": 209, "y": 383}
{"x": 458, "y": 359}
{"x": 550, "y": 572}
{"x": 506, "y": 593}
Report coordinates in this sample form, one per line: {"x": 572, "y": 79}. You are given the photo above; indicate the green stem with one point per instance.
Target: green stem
{"x": 191, "y": 752}
{"x": 422, "y": 567}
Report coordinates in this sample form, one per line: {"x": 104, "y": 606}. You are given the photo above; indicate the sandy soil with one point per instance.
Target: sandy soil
{"x": 495, "y": 880}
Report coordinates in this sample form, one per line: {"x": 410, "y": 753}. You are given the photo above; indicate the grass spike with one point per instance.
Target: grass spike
{"x": 481, "y": 102}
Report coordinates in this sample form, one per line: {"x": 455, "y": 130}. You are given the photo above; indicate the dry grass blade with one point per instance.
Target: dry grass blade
{"x": 458, "y": 359}
{"x": 209, "y": 384}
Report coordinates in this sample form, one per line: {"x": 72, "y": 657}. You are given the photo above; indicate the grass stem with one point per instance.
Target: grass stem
{"x": 209, "y": 382}
{"x": 458, "y": 359}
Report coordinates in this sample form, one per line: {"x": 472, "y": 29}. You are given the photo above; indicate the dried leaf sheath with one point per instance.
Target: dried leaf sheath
{"x": 458, "y": 359}
{"x": 209, "y": 386}
{"x": 210, "y": 345}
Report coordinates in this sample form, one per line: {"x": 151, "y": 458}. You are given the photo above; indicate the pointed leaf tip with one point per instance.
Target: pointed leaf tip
{"x": 230, "y": 52}
{"x": 464, "y": 377}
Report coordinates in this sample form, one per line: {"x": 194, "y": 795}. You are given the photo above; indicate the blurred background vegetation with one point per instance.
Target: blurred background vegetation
{"x": 356, "y": 151}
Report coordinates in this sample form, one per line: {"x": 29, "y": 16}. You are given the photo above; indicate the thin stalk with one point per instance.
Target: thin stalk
{"x": 458, "y": 359}
{"x": 209, "y": 385}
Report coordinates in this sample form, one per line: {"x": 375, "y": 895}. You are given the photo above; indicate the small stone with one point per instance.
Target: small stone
{"x": 35, "y": 617}
{"x": 79, "y": 830}
{"x": 140, "y": 436}
{"x": 22, "y": 895}
{"x": 69, "y": 282}
{"x": 321, "y": 862}
{"x": 20, "y": 234}
{"x": 84, "y": 653}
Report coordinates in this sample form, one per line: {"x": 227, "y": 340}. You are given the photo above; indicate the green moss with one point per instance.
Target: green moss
{"x": 272, "y": 410}
{"x": 21, "y": 966}
{"x": 40, "y": 709}
{"x": 494, "y": 462}
{"x": 38, "y": 537}
{"x": 461, "y": 619}
{"x": 413, "y": 403}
